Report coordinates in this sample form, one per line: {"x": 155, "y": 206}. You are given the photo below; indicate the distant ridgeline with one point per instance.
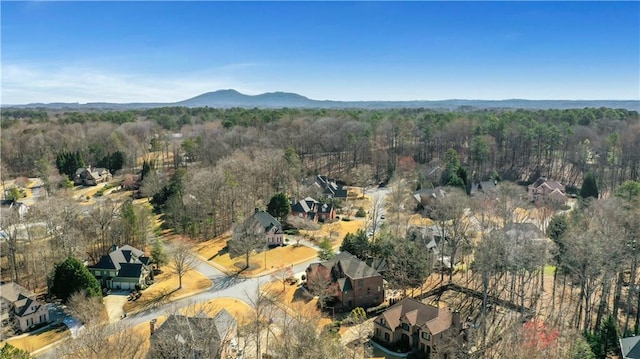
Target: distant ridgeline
{"x": 232, "y": 98}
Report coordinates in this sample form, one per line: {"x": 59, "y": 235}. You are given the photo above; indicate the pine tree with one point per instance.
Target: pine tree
{"x": 589, "y": 187}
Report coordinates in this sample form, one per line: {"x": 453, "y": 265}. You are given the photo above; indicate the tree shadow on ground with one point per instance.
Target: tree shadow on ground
{"x": 163, "y": 297}
{"x": 302, "y": 295}
{"x": 221, "y": 252}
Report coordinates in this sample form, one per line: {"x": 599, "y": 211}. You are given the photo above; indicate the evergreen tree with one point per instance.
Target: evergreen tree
{"x": 68, "y": 163}
{"x": 279, "y": 206}
{"x": 326, "y": 250}
{"x": 589, "y": 187}
{"x": 8, "y": 351}
{"x": 72, "y": 276}
{"x": 158, "y": 254}
{"x": 356, "y": 244}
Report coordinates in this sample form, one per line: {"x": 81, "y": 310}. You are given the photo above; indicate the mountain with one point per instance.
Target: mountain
{"x": 233, "y": 98}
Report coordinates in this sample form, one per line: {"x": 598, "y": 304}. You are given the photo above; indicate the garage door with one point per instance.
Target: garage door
{"x": 124, "y": 285}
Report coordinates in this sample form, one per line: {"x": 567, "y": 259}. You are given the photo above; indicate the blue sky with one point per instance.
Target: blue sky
{"x": 170, "y": 51}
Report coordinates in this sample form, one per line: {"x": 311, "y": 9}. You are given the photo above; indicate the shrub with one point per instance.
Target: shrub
{"x": 346, "y": 219}
{"x": 361, "y": 213}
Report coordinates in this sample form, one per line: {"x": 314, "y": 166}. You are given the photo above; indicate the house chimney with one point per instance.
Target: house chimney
{"x": 152, "y": 326}
{"x": 114, "y": 248}
{"x": 256, "y": 210}
{"x": 456, "y": 320}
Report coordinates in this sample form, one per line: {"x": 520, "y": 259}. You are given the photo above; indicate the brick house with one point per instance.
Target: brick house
{"x": 351, "y": 281}
{"x": 313, "y": 210}
{"x": 414, "y": 325}
{"x": 20, "y": 306}
{"x": 543, "y": 188}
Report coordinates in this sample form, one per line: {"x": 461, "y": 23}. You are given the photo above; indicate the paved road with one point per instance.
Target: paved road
{"x": 224, "y": 285}
{"x": 378, "y": 194}
{"x": 233, "y": 286}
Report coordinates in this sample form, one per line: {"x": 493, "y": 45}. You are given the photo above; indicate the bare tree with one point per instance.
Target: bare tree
{"x": 247, "y": 237}
{"x": 182, "y": 260}
{"x": 282, "y": 275}
{"x": 374, "y": 215}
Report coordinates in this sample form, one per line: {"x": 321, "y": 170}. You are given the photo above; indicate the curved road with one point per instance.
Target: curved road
{"x": 234, "y": 286}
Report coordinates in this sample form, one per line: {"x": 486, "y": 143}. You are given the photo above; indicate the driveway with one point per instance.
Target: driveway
{"x": 113, "y": 303}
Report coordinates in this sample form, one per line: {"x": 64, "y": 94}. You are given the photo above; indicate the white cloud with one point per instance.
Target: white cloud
{"x": 27, "y": 84}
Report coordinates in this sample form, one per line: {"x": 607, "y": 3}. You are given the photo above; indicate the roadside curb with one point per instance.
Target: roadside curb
{"x": 247, "y": 276}
{"x": 134, "y": 312}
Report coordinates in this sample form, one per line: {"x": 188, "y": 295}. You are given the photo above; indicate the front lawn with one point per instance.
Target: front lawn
{"x": 214, "y": 250}
{"x": 33, "y": 342}
{"x": 165, "y": 289}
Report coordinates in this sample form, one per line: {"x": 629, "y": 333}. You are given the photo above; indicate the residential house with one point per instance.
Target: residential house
{"x": 272, "y": 227}
{"x": 20, "y": 207}
{"x": 425, "y": 198}
{"x": 433, "y": 174}
{"x": 351, "y": 281}
{"x": 20, "y": 306}
{"x": 414, "y": 325}
{"x": 313, "y": 210}
{"x": 306, "y": 208}
{"x": 526, "y": 230}
{"x": 91, "y": 176}
{"x": 543, "y": 189}
{"x": 330, "y": 188}
{"x": 630, "y": 347}
{"x": 432, "y": 237}
{"x": 123, "y": 268}
{"x": 194, "y": 337}
{"x": 486, "y": 187}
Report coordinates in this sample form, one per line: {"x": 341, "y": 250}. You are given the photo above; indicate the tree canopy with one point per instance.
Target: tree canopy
{"x": 589, "y": 187}
{"x": 279, "y": 206}
{"x": 71, "y": 276}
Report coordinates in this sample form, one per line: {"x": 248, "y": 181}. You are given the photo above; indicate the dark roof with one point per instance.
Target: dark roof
{"x": 337, "y": 193}
{"x": 325, "y": 208}
{"x": 206, "y": 331}
{"x": 484, "y": 186}
{"x": 378, "y": 264}
{"x": 130, "y": 270}
{"x": 124, "y": 254}
{"x": 418, "y": 314}
{"x": 106, "y": 263}
{"x": 351, "y": 266}
{"x": 267, "y": 221}
{"x": 630, "y": 347}
{"x": 19, "y": 296}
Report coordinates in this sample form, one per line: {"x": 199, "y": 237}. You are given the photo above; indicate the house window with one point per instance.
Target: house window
{"x": 368, "y": 290}
{"x": 405, "y": 327}
{"x": 29, "y": 322}
{"x": 378, "y": 288}
{"x": 386, "y": 336}
{"x": 377, "y": 332}
{"x": 426, "y": 336}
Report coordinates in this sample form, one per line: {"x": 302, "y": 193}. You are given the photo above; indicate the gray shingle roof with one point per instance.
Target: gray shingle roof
{"x": 351, "y": 266}
{"x": 267, "y": 221}
{"x": 19, "y": 296}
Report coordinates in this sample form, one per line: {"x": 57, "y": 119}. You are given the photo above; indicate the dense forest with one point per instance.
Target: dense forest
{"x": 206, "y": 168}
